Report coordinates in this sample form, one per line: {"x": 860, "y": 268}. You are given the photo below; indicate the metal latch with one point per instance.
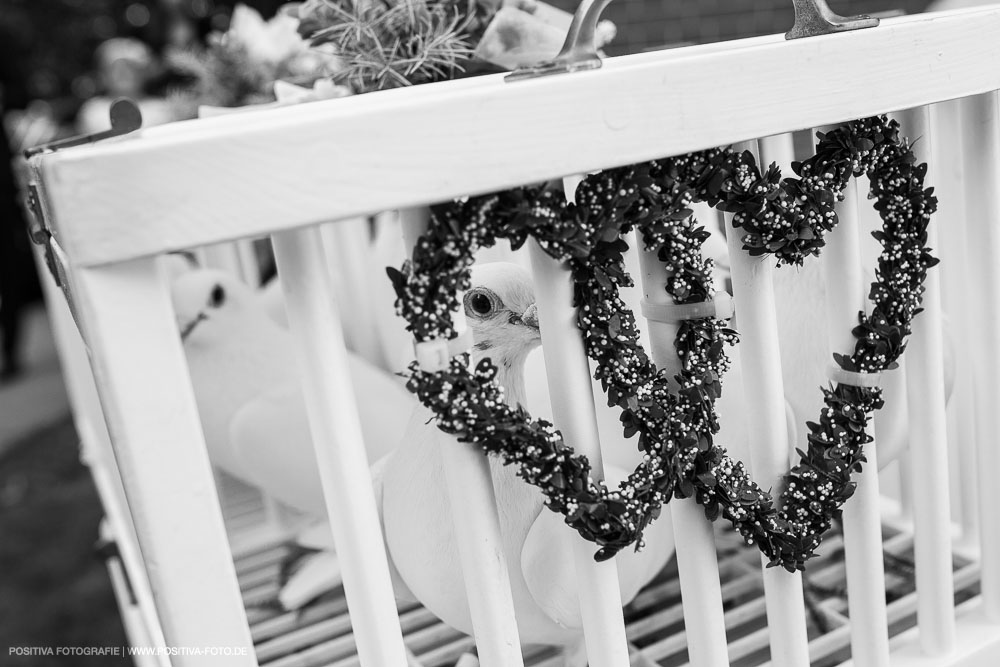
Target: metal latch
{"x": 40, "y": 234}
{"x": 814, "y": 17}
{"x": 579, "y": 51}
{"x": 125, "y": 118}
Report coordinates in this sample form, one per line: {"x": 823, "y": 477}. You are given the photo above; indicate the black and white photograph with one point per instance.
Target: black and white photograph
{"x": 499, "y": 333}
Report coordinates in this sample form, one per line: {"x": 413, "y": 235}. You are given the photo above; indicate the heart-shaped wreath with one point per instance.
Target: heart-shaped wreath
{"x": 788, "y": 218}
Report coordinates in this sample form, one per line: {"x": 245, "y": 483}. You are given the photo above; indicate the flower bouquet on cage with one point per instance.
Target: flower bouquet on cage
{"x": 242, "y": 66}
{"x": 395, "y": 43}
{"x": 323, "y": 49}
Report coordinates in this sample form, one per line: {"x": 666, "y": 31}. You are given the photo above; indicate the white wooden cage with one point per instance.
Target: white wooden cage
{"x": 191, "y": 568}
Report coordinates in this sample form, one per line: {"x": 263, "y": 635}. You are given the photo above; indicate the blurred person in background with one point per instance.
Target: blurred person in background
{"x": 18, "y": 280}
{"x": 125, "y": 68}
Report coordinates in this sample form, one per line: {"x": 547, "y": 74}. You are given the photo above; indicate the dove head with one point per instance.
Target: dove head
{"x": 210, "y": 306}
{"x": 500, "y": 310}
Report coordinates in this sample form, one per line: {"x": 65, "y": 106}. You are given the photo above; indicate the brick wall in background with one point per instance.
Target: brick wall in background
{"x": 650, "y": 24}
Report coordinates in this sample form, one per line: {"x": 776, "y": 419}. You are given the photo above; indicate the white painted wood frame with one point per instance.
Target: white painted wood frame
{"x": 150, "y": 409}
{"x": 431, "y": 144}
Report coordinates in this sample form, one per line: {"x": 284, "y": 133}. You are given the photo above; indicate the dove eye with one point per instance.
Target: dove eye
{"x": 217, "y": 297}
{"x": 479, "y": 304}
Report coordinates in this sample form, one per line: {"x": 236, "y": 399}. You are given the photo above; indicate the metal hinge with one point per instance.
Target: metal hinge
{"x": 107, "y": 550}
{"x": 125, "y": 118}
{"x": 41, "y": 235}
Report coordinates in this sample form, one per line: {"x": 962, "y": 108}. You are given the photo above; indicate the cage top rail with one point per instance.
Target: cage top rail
{"x": 207, "y": 181}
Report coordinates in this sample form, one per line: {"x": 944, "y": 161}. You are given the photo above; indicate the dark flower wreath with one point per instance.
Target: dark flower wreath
{"x": 788, "y": 218}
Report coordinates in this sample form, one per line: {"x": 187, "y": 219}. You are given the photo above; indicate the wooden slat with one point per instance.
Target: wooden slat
{"x": 340, "y": 452}
{"x": 133, "y": 620}
{"x": 571, "y": 394}
{"x": 341, "y": 158}
{"x": 96, "y": 451}
{"x": 956, "y": 280}
{"x": 982, "y": 173}
{"x": 349, "y": 249}
{"x": 929, "y": 438}
{"x": 763, "y": 388}
{"x": 477, "y": 523}
{"x": 697, "y": 561}
{"x": 151, "y": 414}
{"x": 846, "y": 296}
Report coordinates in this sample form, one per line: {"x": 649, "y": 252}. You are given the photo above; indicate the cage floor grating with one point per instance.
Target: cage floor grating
{"x": 320, "y": 635}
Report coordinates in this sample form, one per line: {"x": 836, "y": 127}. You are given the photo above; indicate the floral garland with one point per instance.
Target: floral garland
{"x": 788, "y": 218}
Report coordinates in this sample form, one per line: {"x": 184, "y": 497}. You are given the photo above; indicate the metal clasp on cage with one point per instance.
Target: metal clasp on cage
{"x": 579, "y": 51}
{"x": 125, "y": 118}
{"x": 40, "y": 234}
{"x": 814, "y": 17}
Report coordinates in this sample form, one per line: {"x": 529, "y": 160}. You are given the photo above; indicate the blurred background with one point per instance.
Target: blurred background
{"x": 61, "y": 62}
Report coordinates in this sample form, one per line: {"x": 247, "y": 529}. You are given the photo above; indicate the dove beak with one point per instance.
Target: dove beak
{"x": 530, "y": 316}
{"x": 189, "y": 327}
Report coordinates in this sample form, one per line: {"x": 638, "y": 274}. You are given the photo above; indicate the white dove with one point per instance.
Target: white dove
{"x": 249, "y": 399}
{"x": 500, "y": 310}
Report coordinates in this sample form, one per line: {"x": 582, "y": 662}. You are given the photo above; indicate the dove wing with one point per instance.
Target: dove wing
{"x": 270, "y": 434}
{"x": 553, "y": 585}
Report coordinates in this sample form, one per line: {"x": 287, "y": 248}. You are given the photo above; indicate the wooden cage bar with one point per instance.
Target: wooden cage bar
{"x": 928, "y": 440}
{"x": 846, "y": 297}
{"x": 956, "y": 279}
{"x": 147, "y": 399}
{"x": 982, "y": 187}
{"x": 340, "y": 451}
{"x": 477, "y": 524}
{"x": 764, "y": 397}
{"x": 568, "y": 375}
{"x": 697, "y": 562}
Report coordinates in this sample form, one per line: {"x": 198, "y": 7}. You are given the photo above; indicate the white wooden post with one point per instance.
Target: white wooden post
{"x": 956, "y": 283}
{"x": 96, "y": 451}
{"x": 571, "y": 394}
{"x": 249, "y": 268}
{"x": 929, "y": 439}
{"x": 846, "y": 293}
{"x": 151, "y": 414}
{"x": 697, "y": 562}
{"x": 761, "y": 366}
{"x": 780, "y": 149}
{"x": 349, "y": 251}
{"x": 982, "y": 187}
{"x": 223, "y": 256}
{"x": 477, "y": 525}
{"x": 340, "y": 449}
